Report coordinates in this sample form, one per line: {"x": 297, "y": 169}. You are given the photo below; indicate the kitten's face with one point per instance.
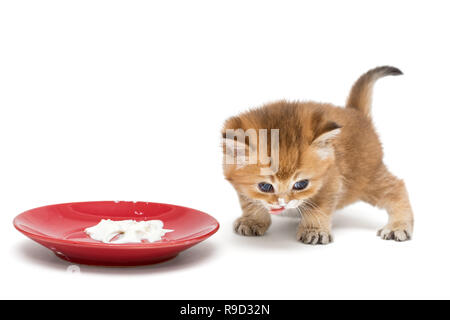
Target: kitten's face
{"x": 289, "y": 187}
{"x": 305, "y": 152}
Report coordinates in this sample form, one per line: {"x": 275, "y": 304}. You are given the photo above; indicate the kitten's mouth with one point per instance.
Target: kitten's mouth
{"x": 277, "y": 210}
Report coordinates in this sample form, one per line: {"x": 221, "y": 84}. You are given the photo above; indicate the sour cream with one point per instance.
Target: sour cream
{"x": 127, "y": 231}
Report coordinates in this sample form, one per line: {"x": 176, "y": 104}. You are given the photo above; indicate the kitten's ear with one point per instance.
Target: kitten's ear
{"x": 325, "y": 137}
{"x": 238, "y": 142}
{"x": 327, "y": 134}
{"x": 238, "y": 147}
{"x": 232, "y": 147}
{"x": 234, "y": 152}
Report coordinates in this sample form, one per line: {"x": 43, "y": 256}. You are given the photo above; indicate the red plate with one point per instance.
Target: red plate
{"x": 61, "y": 227}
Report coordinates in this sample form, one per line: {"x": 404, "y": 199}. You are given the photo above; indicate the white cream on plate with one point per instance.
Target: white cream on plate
{"x": 127, "y": 231}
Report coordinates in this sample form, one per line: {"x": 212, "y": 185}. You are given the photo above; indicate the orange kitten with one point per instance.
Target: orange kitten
{"x": 320, "y": 159}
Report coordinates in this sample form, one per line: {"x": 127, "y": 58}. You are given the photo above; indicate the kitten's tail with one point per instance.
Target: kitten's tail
{"x": 360, "y": 97}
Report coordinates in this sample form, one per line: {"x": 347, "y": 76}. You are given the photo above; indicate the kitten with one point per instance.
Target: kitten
{"x": 327, "y": 157}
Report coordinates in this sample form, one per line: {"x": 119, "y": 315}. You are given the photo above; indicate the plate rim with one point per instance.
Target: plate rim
{"x": 158, "y": 244}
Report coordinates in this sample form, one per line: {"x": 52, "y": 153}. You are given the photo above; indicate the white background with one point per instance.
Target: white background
{"x": 106, "y": 100}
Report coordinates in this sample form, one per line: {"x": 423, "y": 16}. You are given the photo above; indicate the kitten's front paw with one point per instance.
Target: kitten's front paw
{"x": 250, "y": 227}
{"x": 398, "y": 232}
{"x": 314, "y": 236}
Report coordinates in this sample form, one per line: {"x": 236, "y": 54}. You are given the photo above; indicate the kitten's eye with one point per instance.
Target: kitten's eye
{"x": 265, "y": 187}
{"x": 300, "y": 185}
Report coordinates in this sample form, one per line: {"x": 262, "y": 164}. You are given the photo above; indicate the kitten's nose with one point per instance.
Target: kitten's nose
{"x": 281, "y": 202}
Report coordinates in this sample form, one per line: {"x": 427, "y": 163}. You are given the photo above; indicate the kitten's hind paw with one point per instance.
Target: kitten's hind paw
{"x": 399, "y": 233}
{"x": 250, "y": 227}
{"x": 314, "y": 236}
